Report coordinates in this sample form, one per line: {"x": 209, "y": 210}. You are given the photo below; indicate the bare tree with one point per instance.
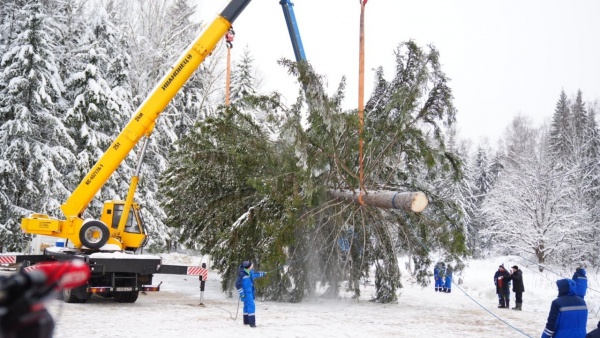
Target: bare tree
{"x": 527, "y": 210}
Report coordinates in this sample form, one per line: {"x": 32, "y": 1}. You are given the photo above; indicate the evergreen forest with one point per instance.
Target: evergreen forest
{"x": 252, "y": 180}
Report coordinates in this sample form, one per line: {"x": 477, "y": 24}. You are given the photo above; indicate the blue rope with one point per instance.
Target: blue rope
{"x": 493, "y": 314}
{"x": 545, "y": 268}
{"x": 466, "y": 294}
{"x": 230, "y": 314}
{"x": 294, "y": 261}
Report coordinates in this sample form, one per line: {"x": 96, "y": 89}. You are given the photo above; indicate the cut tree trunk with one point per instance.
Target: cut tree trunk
{"x": 408, "y": 201}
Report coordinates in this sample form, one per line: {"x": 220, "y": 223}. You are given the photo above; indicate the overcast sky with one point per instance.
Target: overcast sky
{"x": 503, "y": 57}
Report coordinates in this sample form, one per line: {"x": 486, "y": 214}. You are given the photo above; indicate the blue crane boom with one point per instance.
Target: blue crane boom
{"x": 292, "y": 25}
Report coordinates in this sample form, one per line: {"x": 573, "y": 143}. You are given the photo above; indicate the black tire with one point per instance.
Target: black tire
{"x": 74, "y": 295}
{"x": 126, "y": 297}
{"x": 89, "y": 232}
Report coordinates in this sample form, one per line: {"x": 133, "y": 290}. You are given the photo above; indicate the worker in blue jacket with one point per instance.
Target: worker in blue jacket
{"x": 436, "y": 272}
{"x": 580, "y": 279}
{"x": 245, "y": 287}
{"x": 568, "y": 313}
{"x": 448, "y": 279}
{"x": 438, "y": 275}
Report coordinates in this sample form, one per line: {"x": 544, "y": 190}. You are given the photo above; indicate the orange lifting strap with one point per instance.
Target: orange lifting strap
{"x": 229, "y": 41}
{"x": 361, "y": 100}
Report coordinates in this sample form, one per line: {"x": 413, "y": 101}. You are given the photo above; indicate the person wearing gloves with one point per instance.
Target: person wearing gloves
{"x": 516, "y": 277}
{"x": 448, "y": 279}
{"x": 438, "y": 275}
{"x": 568, "y": 313}
{"x": 245, "y": 287}
{"x": 502, "y": 287}
{"x": 580, "y": 279}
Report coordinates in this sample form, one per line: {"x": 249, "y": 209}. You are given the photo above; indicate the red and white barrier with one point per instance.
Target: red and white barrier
{"x": 8, "y": 259}
{"x": 198, "y": 271}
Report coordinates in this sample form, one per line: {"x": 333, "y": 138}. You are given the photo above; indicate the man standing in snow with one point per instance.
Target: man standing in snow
{"x": 448, "y": 279}
{"x": 580, "y": 279}
{"x": 518, "y": 288}
{"x": 245, "y": 287}
{"x": 438, "y": 275}
{"x": 502, "y": 286}
{"x": 568, "y": 313}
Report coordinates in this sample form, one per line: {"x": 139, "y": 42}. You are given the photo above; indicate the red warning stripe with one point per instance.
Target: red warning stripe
{"x": 8, "y": 259}
{"x": 197, "y": 271}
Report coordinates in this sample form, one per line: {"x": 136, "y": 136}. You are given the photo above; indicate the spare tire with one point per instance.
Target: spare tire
{"x": 94, "y": 234}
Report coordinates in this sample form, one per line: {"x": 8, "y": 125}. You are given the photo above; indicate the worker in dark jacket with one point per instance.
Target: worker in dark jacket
{"x": 502, "y": 286}
{"x": 594, "y": 333}
{"x": 580, "y": 279}
{"x": 568, "y": 313}
{"x": 516, "y": 277}
{"x": 245, "y": 287}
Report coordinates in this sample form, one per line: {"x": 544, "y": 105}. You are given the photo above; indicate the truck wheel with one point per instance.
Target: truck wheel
{"x": 70, "y": 296}
{"x": 94, "y": 234}
{"x": 126, "y": 297}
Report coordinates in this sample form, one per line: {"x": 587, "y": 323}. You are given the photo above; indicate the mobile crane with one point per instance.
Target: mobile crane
{"x": 107, "y": 243}
{"x": 120, "y": 224}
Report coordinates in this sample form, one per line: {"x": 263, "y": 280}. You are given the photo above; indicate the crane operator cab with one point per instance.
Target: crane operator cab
{"x": 132, "y": 236}
{"x": 133, "y": 225}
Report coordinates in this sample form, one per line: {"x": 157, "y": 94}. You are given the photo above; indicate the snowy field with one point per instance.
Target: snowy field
{"x": 469, "y": 311}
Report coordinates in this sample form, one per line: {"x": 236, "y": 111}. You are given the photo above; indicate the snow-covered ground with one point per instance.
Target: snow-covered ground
{"x": 469, "y": 311}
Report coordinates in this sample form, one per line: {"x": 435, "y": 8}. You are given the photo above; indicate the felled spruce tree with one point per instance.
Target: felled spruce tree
{"x": 266, "y": 191}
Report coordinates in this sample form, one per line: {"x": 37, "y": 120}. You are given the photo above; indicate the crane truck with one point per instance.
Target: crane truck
{"x": 108, "y": 243}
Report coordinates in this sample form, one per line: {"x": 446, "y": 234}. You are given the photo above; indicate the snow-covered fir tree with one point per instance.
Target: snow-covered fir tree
{"x": 577, "y": 167}
{"x": 10, "y": 15}
{"x": 481, "y": 172}
{"x": 36, "y": 149}
{"x": 482, "y": 181}
{"x": 593, "y": 174}
{"x": 95, "y": 114}
{"x": 242, "y": 78}
{"x": 579, "y": 120}
{"x": 71, "y": 21}
{"x": 560, "y": 129}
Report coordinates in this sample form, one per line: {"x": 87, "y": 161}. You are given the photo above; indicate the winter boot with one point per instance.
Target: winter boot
{"x": 448, "y": 290}
{"x": 502, "y": 304}
{"x": 252, "y": 320}
{"x": 508, "y": 304}
{"x": 443, "y": 289}
{"x": 246, "y": 320}
{"x": 518, "y": 307}
{"x": 437, "y": 289}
